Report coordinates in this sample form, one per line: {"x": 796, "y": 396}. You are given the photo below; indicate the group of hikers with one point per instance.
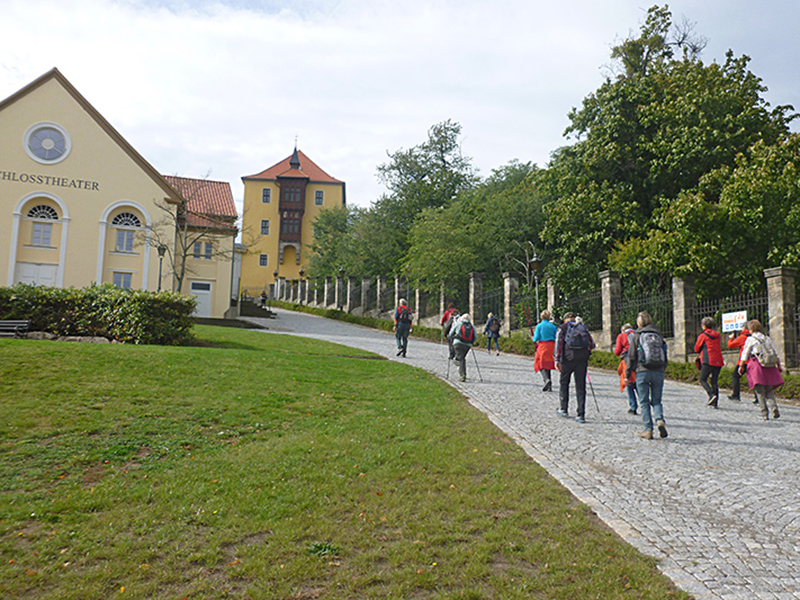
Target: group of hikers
{"x": 566, "y": 348}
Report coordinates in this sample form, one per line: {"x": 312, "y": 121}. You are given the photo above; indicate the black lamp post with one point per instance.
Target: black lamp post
{"x": 162, "y": 250}
{"x": 536, "y": 264}
{"x": 302, "y": 281}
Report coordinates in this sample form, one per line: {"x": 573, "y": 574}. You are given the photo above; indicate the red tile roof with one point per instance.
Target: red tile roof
{"x": 307, "y": 169}
{"x": 209, "y": 203}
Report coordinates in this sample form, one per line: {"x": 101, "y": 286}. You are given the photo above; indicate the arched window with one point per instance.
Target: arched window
{"x": 126, "y": 223}
{"x": 42, "y": 231}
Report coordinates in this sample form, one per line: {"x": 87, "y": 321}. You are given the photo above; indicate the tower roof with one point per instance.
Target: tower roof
{"x": 298, "y": 165}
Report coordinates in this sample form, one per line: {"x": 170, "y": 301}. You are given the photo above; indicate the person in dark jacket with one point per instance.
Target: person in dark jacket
{"x": 403, "y": 320}
{"x": 492, "y": 332}
{"x": 710, "y": 350}
{"x": 573, "y": 346}
{"x": 735, "y": 342}
{"x": 649, "y": 378}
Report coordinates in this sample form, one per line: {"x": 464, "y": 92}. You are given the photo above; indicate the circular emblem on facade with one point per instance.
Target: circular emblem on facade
{"x": 47, "y": 143}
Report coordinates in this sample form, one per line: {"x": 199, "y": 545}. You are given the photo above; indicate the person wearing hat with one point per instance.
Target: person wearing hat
{"x": 573, "y": 346}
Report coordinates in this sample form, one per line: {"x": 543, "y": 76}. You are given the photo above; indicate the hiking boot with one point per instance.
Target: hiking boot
{"x": 547, "y": 386}
{"x": 632, "y": 412}
{"x": 776, "y": 414}
{"x": 562, "y": 413}
{"x": 399, "y": 352}
{"x": 662, "y": 428}
{"x": 648, "y": 435}
{"x": 580, "y": 419}
{"x": 765, "y": 414}
{"x": 735, "y": 398}
{"x": 712, "y": 402}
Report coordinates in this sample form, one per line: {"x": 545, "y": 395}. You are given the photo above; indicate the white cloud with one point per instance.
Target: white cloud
{"x": 226, "y": 86}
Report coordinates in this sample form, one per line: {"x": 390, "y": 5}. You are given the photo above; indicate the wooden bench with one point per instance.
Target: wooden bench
{"x": 15, "y": 329}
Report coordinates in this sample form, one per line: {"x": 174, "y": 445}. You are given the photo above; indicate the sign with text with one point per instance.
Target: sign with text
{"x": 734, "y": 321}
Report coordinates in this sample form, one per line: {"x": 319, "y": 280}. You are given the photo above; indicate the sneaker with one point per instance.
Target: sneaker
{"x": 399, "y": 352}
{"x": 580, "y": 420}
{"x": 631, "y": 411}
{"x": 765, "y": 415}
{"x": 547, "y": 386}
{"x": 662, "y": 428}
{"x": 776, "y": 414}
{"x": 712, "y": 402}
{"x": 735, "y": 398}
{"x": 648, "y": 435}
{"x": 562, "y": 413}
{"x": 463, "y": 378}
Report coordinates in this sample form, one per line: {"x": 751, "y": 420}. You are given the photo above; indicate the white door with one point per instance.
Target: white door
{"x": 36, "y": 274}
{"x": 202, "y": 291}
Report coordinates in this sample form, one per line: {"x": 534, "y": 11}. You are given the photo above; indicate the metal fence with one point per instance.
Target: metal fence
{"x": 493, "y": 301}
{"x": 589, "y": 307}
{"x": 756, "y": 305}
{"x": 658, "y": 305}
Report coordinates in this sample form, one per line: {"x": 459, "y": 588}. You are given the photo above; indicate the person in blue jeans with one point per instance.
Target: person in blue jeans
{"x": 647, "y": 357}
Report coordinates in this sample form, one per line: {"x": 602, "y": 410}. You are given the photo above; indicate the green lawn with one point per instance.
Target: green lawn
{"x": 263, "y": 466}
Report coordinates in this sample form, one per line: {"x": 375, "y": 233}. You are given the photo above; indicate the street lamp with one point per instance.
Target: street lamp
{"x": 302, "y": 275}
{"x": 536, "y": 264}
{"x": 162, "y": 250}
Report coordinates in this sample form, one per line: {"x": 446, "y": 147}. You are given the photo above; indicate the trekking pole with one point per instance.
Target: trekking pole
{"x": 476, "y": 365}
{"x": 591, "y": 387}
{"x": 448, "y": 369}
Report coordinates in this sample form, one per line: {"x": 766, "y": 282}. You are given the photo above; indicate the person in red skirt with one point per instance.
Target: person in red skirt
{"x": 545, "y": 338}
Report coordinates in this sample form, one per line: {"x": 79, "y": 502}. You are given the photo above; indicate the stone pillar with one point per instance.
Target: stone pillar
{"x": 326, "y": 294}
{"x": 417, "y": 299}
{"x": 476, "y": 297}
{"x": 441, "y": 299}
{"x": 339, "y": 292}
{"x": 364, "y": 295}
{"x": 316, "y": 291}
{"x": 553, "y": 296}
{"x": 684, "y": 300}
{"x": 780, "y": 290}
{"x": 397, "y": 295}
{"x": 351, "y": 286}
{"x": 510, "y": 287}
{"x": 380, "y": 287}
{"x": 282, "y": 288}
{"x": 611, "y": 291}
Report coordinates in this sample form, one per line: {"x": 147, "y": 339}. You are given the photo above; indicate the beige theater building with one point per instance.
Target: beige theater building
{"x": 280, "y": 206}
{"x": 79, "y": 205}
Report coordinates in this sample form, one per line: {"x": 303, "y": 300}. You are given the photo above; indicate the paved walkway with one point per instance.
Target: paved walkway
{"x": 717, "y": 502}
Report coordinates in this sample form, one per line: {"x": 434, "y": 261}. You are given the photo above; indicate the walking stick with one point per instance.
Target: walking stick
{"x": 476, "y": 365}
{"x": 589, "y": 379}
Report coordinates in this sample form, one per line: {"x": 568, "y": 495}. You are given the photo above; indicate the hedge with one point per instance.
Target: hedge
{"x": 132, "y": 316}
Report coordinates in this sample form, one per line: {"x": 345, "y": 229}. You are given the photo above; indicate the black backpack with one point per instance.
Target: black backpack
{"x": 494, "y": 326}
{"x": 577, "y": 336}
{"x": 404, "y": 314}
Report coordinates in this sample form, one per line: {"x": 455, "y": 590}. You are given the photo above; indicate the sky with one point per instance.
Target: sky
{"x": 223, "y": 89}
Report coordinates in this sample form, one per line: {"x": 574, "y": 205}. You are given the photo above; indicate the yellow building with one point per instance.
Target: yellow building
{"x": 78, "y": 204}
{"x": 280, "y": 206}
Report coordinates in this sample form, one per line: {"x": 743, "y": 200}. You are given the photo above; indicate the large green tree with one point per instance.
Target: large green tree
{"x": 643, "y": 139}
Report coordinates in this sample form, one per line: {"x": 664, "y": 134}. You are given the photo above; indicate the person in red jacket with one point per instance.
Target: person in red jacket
{"x": 710, "y": 350}
{"x": 735, "y": 342}
{"x": 621, "y": 349}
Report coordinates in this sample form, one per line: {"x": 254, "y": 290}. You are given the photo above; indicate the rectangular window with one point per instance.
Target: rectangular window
{"x": 41, "y": 234}
{"x": 124, "y": 240}
{"x": 198, "y": 249}
{"x": 263, "y": 260}
{"x": 209, "y": 250}
{"x": 265, "y": 227}
{"x": 266, "y": 195}
{"x": 291, "y": 195}
{"x": 122, "y": 280}
{"x": 318, "y": 197}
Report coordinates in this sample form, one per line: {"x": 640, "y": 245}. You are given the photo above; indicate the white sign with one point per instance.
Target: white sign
{"x": 734, "y": 321}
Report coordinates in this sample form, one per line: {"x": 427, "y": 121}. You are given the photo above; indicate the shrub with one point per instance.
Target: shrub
{"x": 133, "y": 316}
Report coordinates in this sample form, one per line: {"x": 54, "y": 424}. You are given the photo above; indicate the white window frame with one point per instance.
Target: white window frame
{"x": 122, "y": 279}
{"x": 125, "y": 239}
{"x": 42, "y": 234}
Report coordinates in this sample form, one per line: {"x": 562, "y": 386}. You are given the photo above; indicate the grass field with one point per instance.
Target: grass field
{"x": 263, "y": 466}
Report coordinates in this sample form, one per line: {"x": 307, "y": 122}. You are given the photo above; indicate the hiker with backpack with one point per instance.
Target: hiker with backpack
{"x": 735, "y": 342}
{"x": 628, "y": 383}
{"x": 403, "y": 319}
{"x": 763, "y": 365}
{"x": 709, "y": 348}
{"x": 462, "y": 335}
{"x": 647, "y": 358}
{"x": 573, "y": 346}
{"x": 492, "y": 332}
